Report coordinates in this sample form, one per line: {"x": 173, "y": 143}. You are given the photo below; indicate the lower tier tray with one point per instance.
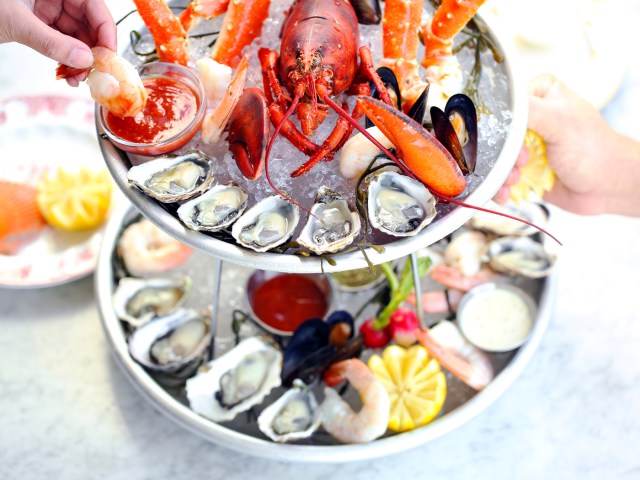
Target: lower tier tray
{"x": 242, "y": 434}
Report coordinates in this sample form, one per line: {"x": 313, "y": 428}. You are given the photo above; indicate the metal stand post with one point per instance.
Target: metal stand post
{"x": 217, "y": 277}
{"x": 417, "y": 287}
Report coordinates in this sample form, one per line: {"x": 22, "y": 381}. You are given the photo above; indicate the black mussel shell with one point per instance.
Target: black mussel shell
{"x": 419, "y": 108}
{"x": 311, "y": 336}
{"x": 367, "y": 11}
{"x": 448, "y": 137}
{"x": 341, "y": 327}
{"x": 464, "y": 106}
{"x": 391, "y": 82}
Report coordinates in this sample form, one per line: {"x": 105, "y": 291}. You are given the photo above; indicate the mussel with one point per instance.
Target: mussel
{"x": 457, "y": 129}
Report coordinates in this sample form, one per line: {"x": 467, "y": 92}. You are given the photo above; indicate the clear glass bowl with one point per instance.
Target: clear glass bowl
{"x": 173, "y": 72}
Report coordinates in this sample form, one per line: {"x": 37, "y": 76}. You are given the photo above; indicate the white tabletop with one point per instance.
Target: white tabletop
{"x": 68, "y": 412}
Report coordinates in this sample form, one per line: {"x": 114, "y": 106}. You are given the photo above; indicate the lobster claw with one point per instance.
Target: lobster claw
{"x": 248, "y": 132}
{"x": 420, "y": 151}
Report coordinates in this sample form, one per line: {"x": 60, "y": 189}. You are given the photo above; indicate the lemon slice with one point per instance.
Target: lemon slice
{"x": 415, "y": 383}
{"x": 74, "y": 200}
{"x": 536, "y": 176}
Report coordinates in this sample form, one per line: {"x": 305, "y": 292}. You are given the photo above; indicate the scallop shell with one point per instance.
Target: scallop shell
{"x": 138, "y": 300}
{"x": 172, "y": 178}
{"x": 174, "y": 353}
{"x": 215, "y": 209}
{"x": 399, "y": 205}
{"x": 267, "y": 224}
{"x": 520, "y": 256}
{"x": 332, "y": 225}
{"x": 293, "y": 416}
{"x": 204, "y": 390}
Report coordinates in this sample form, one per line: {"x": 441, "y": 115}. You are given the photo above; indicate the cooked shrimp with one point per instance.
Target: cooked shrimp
{"x": 454, "y": 278}
{"x": 339, "y": 419}
{"x": 114, "y": 83}
{"x": 145, "y": 249}
{"x": 216, "y": 121}
{"x": 447, "y": 345}
{"x": 437, "y": 301}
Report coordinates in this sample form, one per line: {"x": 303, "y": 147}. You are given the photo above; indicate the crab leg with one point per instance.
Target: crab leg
{"x": 242, "y": 24}
{"x": 168, "y": 35}
{"x": 198, "y": 9}
{"x": 400, "y": 26}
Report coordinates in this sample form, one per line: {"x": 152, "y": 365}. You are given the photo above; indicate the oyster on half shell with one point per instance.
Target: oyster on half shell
{"x": 215, "y": 209}
{"x": 236, "y": 381}
{"x": 520, "y": 256}
{"x": 331, "y": 226}
{"x": 498, "y": 225}
{"x": 173, "y": 177}
{"x": 399, "y": 205}
{"x": 170, "y": 342}
{"x": 293, "y": 416}
{"x": 267, "y": 224}
{"x": 138, "y": 300}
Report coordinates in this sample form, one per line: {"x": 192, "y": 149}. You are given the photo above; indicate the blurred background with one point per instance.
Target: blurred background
{"x": 66, "y": 410}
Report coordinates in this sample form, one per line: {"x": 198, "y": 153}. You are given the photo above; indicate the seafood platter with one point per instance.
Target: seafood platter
{"x": 357, "y": 375}
{"x": 270, "y": 163}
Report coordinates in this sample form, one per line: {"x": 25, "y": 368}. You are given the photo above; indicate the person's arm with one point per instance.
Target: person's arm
{"x": 63, "y": 30}
{"x": 597, "y": 169}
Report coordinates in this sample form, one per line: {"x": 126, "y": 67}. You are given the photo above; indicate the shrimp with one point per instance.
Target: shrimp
{"x": 216, "y": 121}
{"x": 437, "y": 301}
{"x": 447, "y": 345}
{"x": 113, "y": 82}
{"x": 337, "y": 416}
{"x": 454, "y": 278}
{"x": 145, "y": 249}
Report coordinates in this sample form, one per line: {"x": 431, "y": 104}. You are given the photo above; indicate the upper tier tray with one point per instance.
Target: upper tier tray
{"x": 502, "y": 126}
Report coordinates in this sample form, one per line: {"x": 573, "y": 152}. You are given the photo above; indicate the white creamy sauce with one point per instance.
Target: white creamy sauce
{"x": 496, "y": 320}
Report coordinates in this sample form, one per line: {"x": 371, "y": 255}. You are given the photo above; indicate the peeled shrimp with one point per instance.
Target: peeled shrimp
{"x": 216, "y": 121}
{"x": 447, "y": 345}
{"x": 340, "y": 420}
{"x": 114, "y": 83}
{"x": 453, "y": 278}
{"x": 145, "y": 250}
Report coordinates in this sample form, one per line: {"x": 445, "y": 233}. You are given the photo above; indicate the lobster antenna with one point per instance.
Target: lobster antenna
{"x": 398, "y": 162}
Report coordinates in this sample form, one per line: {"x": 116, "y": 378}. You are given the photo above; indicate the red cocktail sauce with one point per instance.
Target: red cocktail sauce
{"x": 285, "y": 301}
{"x": 171, "y": 107}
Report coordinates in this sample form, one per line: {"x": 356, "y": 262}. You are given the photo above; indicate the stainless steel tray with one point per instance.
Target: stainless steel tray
{"x": 464, "y": 403}
{"x": 512, "y": 93}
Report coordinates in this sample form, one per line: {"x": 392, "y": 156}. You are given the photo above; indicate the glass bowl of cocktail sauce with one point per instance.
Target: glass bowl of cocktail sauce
{"x": 173, "y": 113}
{"x": 280, "y": 302}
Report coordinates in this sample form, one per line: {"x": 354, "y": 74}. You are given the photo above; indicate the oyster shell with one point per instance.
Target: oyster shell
{"x": 267, "y": 224}
{"x": 138, "y": 300}
{"x": 215, "y": 209}
{"x": 293, "y": 416}
{"x": 173, "y": 178}
{"x": 520, "y": 256}
{"x": 399, "y": 205}
{"x": 236, "y": 381}
{"x": 171, "y": 342}
{"x": 331, "y": 226}
{"x": 532, "y": 212}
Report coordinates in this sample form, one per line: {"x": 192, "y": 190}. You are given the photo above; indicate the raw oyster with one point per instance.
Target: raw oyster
{"x": 138, "y": 300}
{"x": 170, "y": 342}
{"x": 173, "y": 178}
{"x": 520, "y": 256}
{"x": 267, "y": 224}
{"x": 236, "y": 381}
{"x": 532, "y": 212}
{"x": 399, "y": 205}
{"x": 215, "y": 209}
{"x": 295, "y": 415}
{"x": 331, "y": 226}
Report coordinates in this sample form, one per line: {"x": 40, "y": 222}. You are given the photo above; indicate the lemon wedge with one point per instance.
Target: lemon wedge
{"x": 74, "y": 200}
{"x": 536, "y": 176}
{"x": 415, "y": 383}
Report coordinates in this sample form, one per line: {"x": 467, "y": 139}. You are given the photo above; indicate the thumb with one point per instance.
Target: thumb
{"x": 53, "y": 44}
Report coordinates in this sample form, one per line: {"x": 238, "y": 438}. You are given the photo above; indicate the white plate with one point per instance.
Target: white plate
{"x": 39, "y": 134}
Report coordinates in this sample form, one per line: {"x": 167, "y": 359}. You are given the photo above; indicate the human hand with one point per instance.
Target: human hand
{"x": 587, "y": 155}
{"x": 63, "y": 30}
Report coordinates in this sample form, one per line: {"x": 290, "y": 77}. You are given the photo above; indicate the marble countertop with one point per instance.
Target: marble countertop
{"x": 68, "y": 412}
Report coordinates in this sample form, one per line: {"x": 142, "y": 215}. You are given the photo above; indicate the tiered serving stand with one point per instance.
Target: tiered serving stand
{"x": 222, "y": 252}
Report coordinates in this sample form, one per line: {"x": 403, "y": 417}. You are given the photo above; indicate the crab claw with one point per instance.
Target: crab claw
{"x": 420, "y": 151}
{"x": 248, "y": 132}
